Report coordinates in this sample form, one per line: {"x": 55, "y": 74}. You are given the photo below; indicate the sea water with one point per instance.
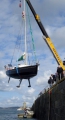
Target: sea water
{"x": 11, "y": 114}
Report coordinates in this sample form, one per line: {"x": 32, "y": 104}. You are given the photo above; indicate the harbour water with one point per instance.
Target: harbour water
{"x": 10, "y": 114}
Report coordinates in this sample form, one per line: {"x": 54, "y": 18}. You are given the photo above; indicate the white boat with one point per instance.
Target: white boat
{"x": 29, "y": 112}
{"x": 19, "y": 109}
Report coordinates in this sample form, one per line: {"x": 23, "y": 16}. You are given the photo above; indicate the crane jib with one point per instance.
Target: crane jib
{"x": 53, "y": 50}
{"x": 47, "y": 38}
{"x": 37, "y": 18}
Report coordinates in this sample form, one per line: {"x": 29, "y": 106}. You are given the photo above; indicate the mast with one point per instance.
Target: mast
{"x": 25, "y": 34}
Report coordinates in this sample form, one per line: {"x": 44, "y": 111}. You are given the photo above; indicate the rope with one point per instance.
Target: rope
{"x": 31, "y": 34}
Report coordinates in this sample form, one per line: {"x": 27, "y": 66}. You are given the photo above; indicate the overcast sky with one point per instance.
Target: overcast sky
{"x": 52, "y": 15}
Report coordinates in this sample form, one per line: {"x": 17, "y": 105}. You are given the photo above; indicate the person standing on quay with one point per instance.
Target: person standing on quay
{"x": 60, "y": 72}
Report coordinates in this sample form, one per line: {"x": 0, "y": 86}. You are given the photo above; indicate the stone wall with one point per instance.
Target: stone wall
{"x": 51, "y": 104}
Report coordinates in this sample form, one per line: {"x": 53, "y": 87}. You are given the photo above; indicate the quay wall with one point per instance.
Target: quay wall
{"x": 51, "y": 104}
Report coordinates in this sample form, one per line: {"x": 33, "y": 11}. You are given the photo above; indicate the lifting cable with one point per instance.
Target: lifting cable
{"x": 31, "y": 33}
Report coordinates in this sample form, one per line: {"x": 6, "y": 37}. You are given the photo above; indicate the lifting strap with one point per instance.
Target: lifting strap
{"x": 17, "y": 70}
{"x": 31, "y": 34}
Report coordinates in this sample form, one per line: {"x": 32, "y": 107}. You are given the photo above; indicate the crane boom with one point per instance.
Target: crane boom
{"x": 46, "y": 37}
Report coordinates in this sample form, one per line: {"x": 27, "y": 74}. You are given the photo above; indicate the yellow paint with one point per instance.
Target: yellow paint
{"x": 49, "y": 42}
{"x": 37, "y": 17}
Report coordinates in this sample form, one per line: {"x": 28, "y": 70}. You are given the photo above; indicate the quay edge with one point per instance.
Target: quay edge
{"x": 51, "y": 104}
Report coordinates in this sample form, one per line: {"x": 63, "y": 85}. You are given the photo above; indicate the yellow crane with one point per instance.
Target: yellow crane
{"x": 46, "y": 37}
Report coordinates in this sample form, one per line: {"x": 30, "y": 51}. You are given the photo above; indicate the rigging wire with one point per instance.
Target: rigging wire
{"x": 17, "y": 45}
{"x": 31, "y": 33}
{"x": 18, "y": 40}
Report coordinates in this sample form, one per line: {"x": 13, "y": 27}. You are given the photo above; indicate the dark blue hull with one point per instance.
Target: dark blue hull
{"x": 26, "y": 72}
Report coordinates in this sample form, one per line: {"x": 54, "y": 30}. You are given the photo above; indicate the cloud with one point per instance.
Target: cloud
{"x": 52, "y": 16}
{"x": 23, "y": 97}
{"x": 2, "y": 75}
{"x": 42, "y": 80}
{"x": 31, "y": 91}
{"x": 14, "y": 98}
{"x": 59, "y": 36}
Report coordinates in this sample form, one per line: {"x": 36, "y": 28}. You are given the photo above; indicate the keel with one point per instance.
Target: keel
{"x": 29, "y": 83}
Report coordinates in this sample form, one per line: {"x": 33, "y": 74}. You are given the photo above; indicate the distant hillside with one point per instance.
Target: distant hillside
{"x": 9, "y": 107}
